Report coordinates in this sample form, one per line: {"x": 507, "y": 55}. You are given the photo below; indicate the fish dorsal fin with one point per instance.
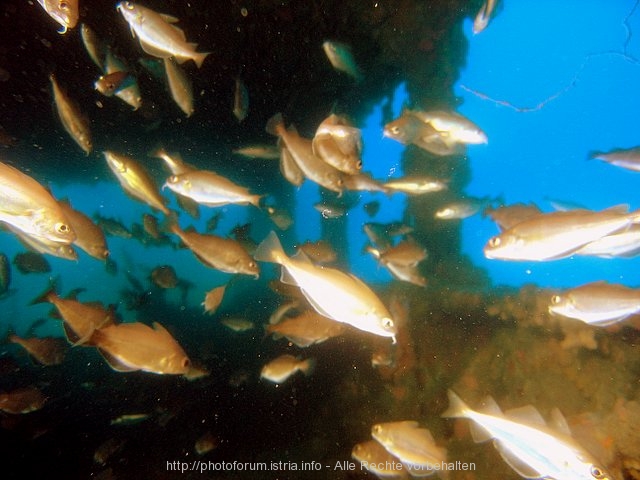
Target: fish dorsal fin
{"x": 558, "y": 422}
{"x": 301, "y": 257}
{"x": 528, "y": 415}
{"x": 169, "y": 18}
{"x": 114, "y": 363}
{"x": 622, "y": 208}
{"x": 518, "y": 465}
{"x": 161, "y": 330}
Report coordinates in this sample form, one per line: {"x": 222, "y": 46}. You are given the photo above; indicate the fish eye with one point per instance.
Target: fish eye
{"x": 359, "y": 164}
{"x": 63, "y": 5}
{"x": 597, "y": 472}
{"x": 62, "y": 228}
{"x": 395, "y": 130}
{"x": 494, "y": 242}
{"x": 387, "y": 323}
{"x": 556, "y": 299}
{"x": 173, "y": 179}
{"x": 128, "y": 5}
{"x": 376, "y": 429}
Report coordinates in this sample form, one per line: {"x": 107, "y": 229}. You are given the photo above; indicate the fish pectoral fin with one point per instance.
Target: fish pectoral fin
{"x": 153, "y": 51}
{"x": 116, "y": 364}
{"x": 316, "y": 306}
{"x": 479, "y": 433}
{"x": 287, "y": 278}
{"x": 518, "y": 465}
{"x": 528, "y": 415}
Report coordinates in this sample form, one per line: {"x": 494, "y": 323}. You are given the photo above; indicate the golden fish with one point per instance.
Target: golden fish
{"x": 93, "y": 45}
{"x": 208, "y": 188}
{"x": 332, "y": 293}
{"x": 414, "y": 185}
{"x": 46, "y": 350}
{"x": 289, "y": 168}
{"x": 135, "y": 180}
{"x": 29, "y": 207}
{"x": 129, "y": 419}
{"x": 373, "y": 457}
{"x": 281, "y": 368}
{"x": 112, "y": 83}
{"x": 223, "y": 254}
{"x": 130, "y": 94}
{"x": 213, "y": 299}
{"x": 65, "y": 12}
{"x": 409, "y": 129}
{"x": 313, "y": 167}
{"x": 404, "y": 273}
{"x": 339, "y": 144}
{"x": 363, "y": 181}
{"x": 238, "y": 324}
{"x": 22, "y": 400}
{"x": 407, "y": 253}
{"x": 73, "y": 120}
{"x": 89, "y": 236}
{"x": 452, "y": 127}
{"x": 151, "y": 227}
{"x": 264, "y": 152}
{"x": 157, "y": 35}
{"x": 80, "y": 319}
{"x": 307, "y": 329}
{"x": 179, "y": 86}
{"x": 135, "y": 346}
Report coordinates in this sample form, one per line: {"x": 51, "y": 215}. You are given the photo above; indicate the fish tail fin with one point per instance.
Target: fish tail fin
{"x": 275, "y": 125}
{"x": 170, "y": 223}
{"x": 199, "y": 58}
{"x": 308, "y": 366}
{"x": 158, "y": 152}
{"x": 256, "y": 200}
{"x": 594, "y": 155}
{"x": 270, "y": 250}
{"x": 46, "y": 296}
{"x": 457, "y": 407}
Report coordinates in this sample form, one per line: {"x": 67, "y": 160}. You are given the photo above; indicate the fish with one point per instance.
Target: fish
{"x": 221, "y": 253}
{"x": 112, "y": 227}
{"x": 339, "y": 144}
{"x": 308, "y": 328}
{"x": 373, "y": 457}
{"x": 164, "y": 276}
{"x": 112, "y": 83}
{"x": 129, "y": 419}
{"x": 453, "y": 127}
{"x": 559, "y": 234}
{"x": 372, "y": 208}
{"x": 81, "y": 320}
{"x": 337, "y": 295}
{"x": 93, "y": 45}
{"x": 130, "y": 91}
{"x": 31, "y": 262}
{"x": 407, "y": 253}
{"x": 238, "y": 324}
{"x": 416, "y": 185}
{"x": 213, "y": 299}
{"x": 289, "y": 168}
{"x": 405, "y": 273}
{"x": 22, "y": 400}
{"x": 135, "y": 180}
{"x": 157, "y": 34}
{"x": 179, "y": 86}
{"x": 597, "y": 303}
{"x": 482, "y": 18}
{"x": 341, "y": 58}
{"x": 280, "y": 369}
{"x": 5, "y": 275}
{"x": 135, "y": 346}
{"x": 319, "y": 251}
{"x": 206, "y": 443}
{"x": 263, "y": 152}
{"x": 363, "y": 181}
{"x": 65, "y": 12}
{"x": 313, "y": 167}
{"x": 527, "y": 444}
{"x": 72, "y": 118}
{"x": 462, "y": 209}
{"x": 45, "y": 350}
{"x": 240, "y": 100}
{"x": 408, "y": 129}
{"x": 280, "y": 217}
{"x": 207, "y": 188}
{"x": 89, "y": 236}
{"x": 411, "y": 445}
{"x": 108, "y": 449}
{"x": 173, "y": 162}
{"x": 628, "y": 158}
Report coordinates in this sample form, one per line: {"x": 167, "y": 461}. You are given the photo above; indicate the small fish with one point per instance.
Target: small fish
{"x": 320, "y": 251}
{"x": 237, "y": 324}
{"x": 405, "y": 273}
{"x": 289, "y": 168}
{"x": 89, "y": 236}
{"x": 341, "y": 58}
{"x": 206, "y": 443}
{"x": 330, "y": 210}
{"x": 413, "y": 446}
{"x": 363, "y": 181}
{"x": 462, "y": 209}
{"x": 46, "y": 350}
{"x": 281, "y": 368}
{"x": 527, "y": 444}
{"x": 414, "y": 185}
{"x": 157, "y": 34}
{"x": 308, "y": 328}
{"x": 224, "y": 254}
{"x": 112, "y": 83}
{"x": 135, "y": 346}
{"x": 240, "y": 101}
{"x": 453, "y": 127}
{"x": 598, "y": 303}
{"x": 374, "y": 458}
{"x": 213, "y": 299}
{"x": 65, "y": 12}
{"x": 280, "y": 217}
{"x": 130, "y": 91}
{"x": 208, "y": 188}
{"x": 107, "y": 450}
{"x": 164, "y": 276}
{"x": 93, "y": 45}
{"x": 73, "y": 120}
{"x": 31, "y": 262}
{"x": 130, "y": 419}
{"x": 135, "y": 180}
{"x": 22, "y": 400}
{"x": 339, "y": 144}
{"x": 628, "y": 158}
{"x": 482, "y": 18}
{"x": 5, "y": 275}
{"x": 179, "y": 86}
{"x": 264, "y": 152}
{"x": 407, "y": 253}
{"x": 337, "y": 295}
{"x": 408, "y": 129}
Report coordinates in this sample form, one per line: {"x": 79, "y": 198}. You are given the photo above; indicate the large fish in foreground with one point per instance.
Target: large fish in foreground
{"x": 157, "y": 34}
{"x": 30, "y": 208}
{"x": 529, "y": 446}
{"x": 332, "y": 293}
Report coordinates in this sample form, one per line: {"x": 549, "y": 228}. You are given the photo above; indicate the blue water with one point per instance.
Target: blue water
{"x": 572, "y": 70}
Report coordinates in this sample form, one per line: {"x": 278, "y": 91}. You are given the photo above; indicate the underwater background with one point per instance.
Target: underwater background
{"x": 548, "y": 82}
